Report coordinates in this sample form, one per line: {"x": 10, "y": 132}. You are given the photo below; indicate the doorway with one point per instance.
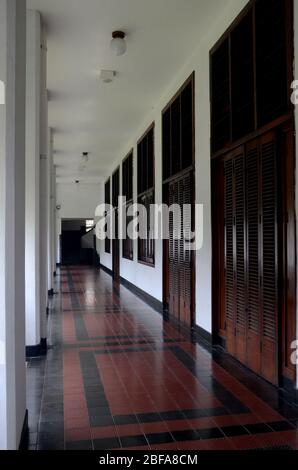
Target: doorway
{"x": 115, "y": 242}
{"x": 178, "y": 129}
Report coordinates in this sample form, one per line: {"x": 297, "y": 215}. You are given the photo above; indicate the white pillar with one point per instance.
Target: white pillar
{"x": 12, "y": 226}
{"x": 43, "y": 188}
{"x": 33, "y": 333}
{"x": 58, "y": 237}
{"x": 50, "y": 215}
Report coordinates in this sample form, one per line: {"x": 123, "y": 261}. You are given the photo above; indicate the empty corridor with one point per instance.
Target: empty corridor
{"x": 119, "y": 376}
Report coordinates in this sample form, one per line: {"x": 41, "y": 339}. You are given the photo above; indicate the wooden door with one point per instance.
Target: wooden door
{"x": 115, "y": 243}
{"x": 251, "y": 255}
{"x": 269, "y": 259}
{"x": 180, "y": 256}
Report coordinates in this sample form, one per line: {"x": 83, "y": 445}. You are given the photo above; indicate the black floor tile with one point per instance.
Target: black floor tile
{"x": 212, "y": 433}
{"x": 258, "y": 428}
{"x": 281, "y": 426}
{"x": 187, "y": 435}
{"x": 51, "y": 444}
{"x": 159, "y": 438}
{"x": 231, "y": 431}
{"x": 99, "y": 421}
{"x": 106, "y": 444}
{"x": 125, "y": 419}
{"x": 79, "y": 445}
{"x": 133, "y": 441}
{"x": 172, "y": 415}
{"x": 148, "y": 417}
{"x": 193, "y": 414}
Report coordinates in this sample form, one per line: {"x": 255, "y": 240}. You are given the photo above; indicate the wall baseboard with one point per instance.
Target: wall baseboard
{"x": 203, "y": 335}
{"x": 38, "y": 350}
{"x": 25, "y": 434}
{"x": 106, "y": 270}
{"x": 151, "y": 301}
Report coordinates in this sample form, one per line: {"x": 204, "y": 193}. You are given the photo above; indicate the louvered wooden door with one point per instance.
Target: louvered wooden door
{"x": 251, "y": 256}
{"x": 173, "y": 253}
{"x": 235, "y": 277}
{"x": 269, "y": 252}
{"x": 115, "y": 243}
{"x": 180, "y": 260}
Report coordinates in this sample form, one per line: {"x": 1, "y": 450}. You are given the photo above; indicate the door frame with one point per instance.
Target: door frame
{"x": 115, "y": 241}
{"x": 166, "y": 264}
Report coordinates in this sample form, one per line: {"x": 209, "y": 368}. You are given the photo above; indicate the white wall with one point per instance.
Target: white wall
{"x": 147, "y": 278}
{"x": 78, "y": 201}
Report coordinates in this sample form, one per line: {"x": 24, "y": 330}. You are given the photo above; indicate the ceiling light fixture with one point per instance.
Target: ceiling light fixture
{"x": 107, "y": 76}
{"x": 118, "y": 44}
{"x": 85, "y": 156}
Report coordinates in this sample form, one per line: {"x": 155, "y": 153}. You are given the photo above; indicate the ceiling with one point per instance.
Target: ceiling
{"x": 87, "y": 115}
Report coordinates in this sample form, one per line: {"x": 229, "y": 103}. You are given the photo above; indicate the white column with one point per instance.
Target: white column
{"x": 33, "y": 334}
{"x": 58, "y": 237}
{"x": 50, "y": 214}
{"x": 43, "y": 188}
{"x": 12, "y": 226}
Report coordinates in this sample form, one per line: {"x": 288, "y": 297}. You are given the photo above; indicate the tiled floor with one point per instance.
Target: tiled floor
{"x": 119, "y": 376}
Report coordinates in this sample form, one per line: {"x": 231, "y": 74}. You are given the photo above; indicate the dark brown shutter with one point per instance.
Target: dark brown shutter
{"x": 253, "y": 256}
{"x": 174, "y": 254}
{"x": 229, "y": 257}
{"x": 240, "y": 268}
{"x": 269, "y": 261}
{"x": 179, "y": 254}
{"x": 186, "y": 255}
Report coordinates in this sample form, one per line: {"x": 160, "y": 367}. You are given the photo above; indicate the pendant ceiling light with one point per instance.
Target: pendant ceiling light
{"x": 118, "y": 44}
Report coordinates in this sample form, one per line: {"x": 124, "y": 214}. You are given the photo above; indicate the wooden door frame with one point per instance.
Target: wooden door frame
{"x": 115, "y": 241}
{"x": 166, "y": 264}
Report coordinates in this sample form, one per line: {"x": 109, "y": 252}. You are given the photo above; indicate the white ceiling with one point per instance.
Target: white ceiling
{"x": 87, "y": 115}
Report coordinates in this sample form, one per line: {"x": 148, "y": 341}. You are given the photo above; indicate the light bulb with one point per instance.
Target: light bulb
{"x": 118, "y": 44}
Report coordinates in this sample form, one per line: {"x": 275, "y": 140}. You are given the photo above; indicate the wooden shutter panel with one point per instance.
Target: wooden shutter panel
{"x": 187, "y": 278}
{"x": 240, "y": 268}
{"x": 269, "y": 261}
{"x": 229, "y": 258}
{"x": 174, "y": 255}
{"x": 253, "y": 255}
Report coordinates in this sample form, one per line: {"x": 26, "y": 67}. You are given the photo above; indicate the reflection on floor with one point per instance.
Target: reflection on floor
{"x": 119, "y": 376}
